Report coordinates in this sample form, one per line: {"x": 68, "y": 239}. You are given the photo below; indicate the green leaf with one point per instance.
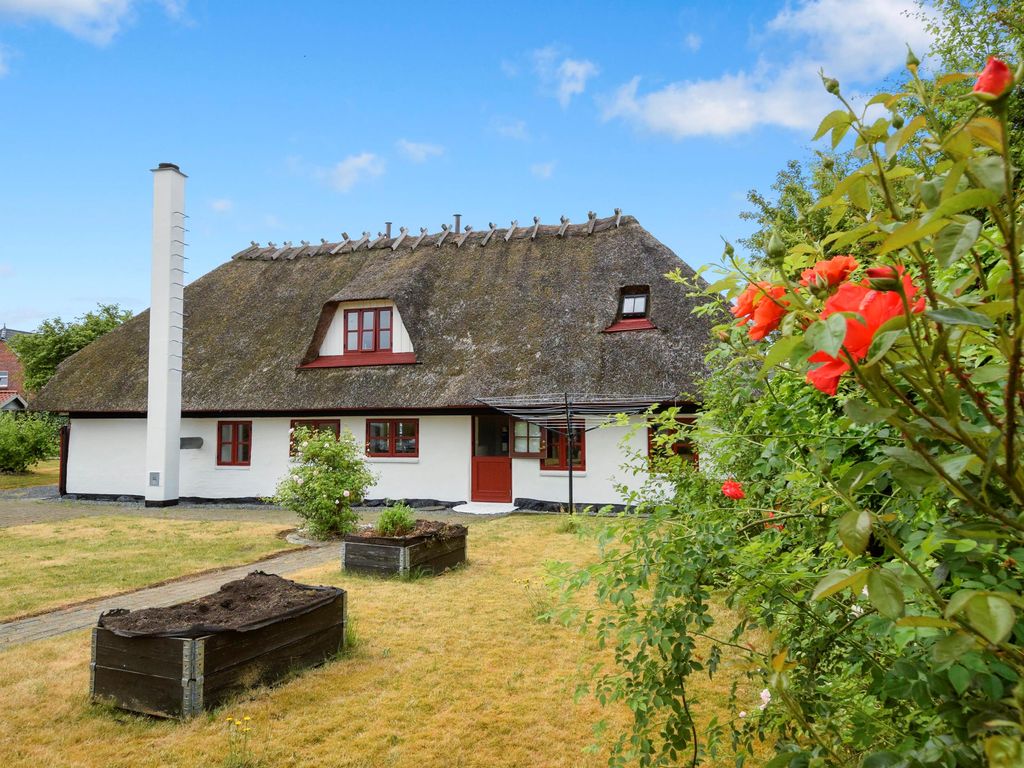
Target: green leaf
{"x": 959, "y": 677}
{"x": 885, "y": 593}
{"x": 958, "y": 316}
{"x": 858, "y": 194}
{"x": 955, "y": 240}
{"x": 952, "y": 647}
{"x": 836, "y": 582}
{"x": 881, "y": 760}
{"x": 861, "y": 473}
{"x": 780, "y": 350}
{"x": 855, "y": 530}
{"x": 989, "y": 373}
{"x": 963, "y": 201}
{"x": 861, "y": 412}
{"x": 991, "y": 615}
{"x": 831, "y": 120}
{"x": 827, "y": 335}
{"x": 895, "y": 142}
{"x": 925, "y": 621}
{"x": 910, "y": 232}
{"x": 989, "y": 171}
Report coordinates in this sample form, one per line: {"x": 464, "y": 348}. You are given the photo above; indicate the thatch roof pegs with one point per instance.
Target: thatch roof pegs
{"x": 536, "y": 226}
{"x": 364, "y": 239}
{"x": 381, "y": 237}
{"x": 444, "y": 234}
{"x": 465, "y": 234}
{"x": 344, "y": 241}
{"x": 490, "y": 234}
{"x": 423, "y": 233}
{"x": 593, "y": 220}
{"x": 618, "y": 217}
{"x": 402, "y": 232}
{"x": 511, "y": 230}
{"x": 565, "y": 225}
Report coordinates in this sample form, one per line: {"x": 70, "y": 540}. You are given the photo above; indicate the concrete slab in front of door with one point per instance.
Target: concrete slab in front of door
{"x": 484, "y": 508}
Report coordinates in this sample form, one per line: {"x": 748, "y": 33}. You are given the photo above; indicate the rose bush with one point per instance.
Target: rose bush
{"x": 868, "y": 397}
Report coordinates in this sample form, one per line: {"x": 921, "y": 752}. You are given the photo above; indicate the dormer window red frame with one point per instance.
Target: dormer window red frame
{"x": 634, "y": 311}
{"x": 369, "y": 330}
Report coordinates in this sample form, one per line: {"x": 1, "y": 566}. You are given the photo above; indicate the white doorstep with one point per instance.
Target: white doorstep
{"x": 484, "y": 508}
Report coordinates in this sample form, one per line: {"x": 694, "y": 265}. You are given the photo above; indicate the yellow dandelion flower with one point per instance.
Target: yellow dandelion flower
{"x": 238, "y": 722}
{"x": 247, "y": 718}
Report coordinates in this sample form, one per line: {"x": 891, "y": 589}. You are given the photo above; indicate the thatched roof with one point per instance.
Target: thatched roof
{"x": 513, "y": 316}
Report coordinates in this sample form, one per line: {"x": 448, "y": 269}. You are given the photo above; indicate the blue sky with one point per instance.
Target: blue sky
{"x": 302, "y": 120}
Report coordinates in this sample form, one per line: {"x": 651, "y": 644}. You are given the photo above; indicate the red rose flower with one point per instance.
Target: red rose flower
{"x": 761, "y": 305}
{"x": 883, "y": 272}
{"x": 994, "y": 79}
{"x": 776, "y": 526}
{"x": 877, "y": 308}
{"x": 733, "y": 490}
{"x": 833, "y": 271}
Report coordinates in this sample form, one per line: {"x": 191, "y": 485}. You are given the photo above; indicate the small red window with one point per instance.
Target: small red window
{"x": 556, "y": 450}
{"x": 314, "y": 425}
{"x": 368, "y": 330}
{"x": 234, "y": 443}
{"x": 527, "y": 439}
{"x": 393, "y": 437}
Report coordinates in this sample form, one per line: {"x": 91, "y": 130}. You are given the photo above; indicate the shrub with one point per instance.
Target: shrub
{"x": 24, "y": 440}
{"x": 396, "y": 520}
{"x": 329, "y": 476}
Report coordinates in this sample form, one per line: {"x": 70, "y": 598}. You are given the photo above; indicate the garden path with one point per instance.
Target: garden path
{"x": 85, "y": 614}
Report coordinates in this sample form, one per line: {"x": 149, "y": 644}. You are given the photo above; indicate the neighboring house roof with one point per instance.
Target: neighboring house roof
{"x": 9, "y": 333}
{"x": 12, "y": 401}
{"x": 518, "y": 316}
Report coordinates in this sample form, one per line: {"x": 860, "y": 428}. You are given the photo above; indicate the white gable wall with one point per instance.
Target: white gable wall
{"x": 334, "y": 339}
{"x": 107, "y": 457}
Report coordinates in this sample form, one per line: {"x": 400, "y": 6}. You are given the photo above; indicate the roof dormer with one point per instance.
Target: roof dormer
{"x": 360, "y": 333}
{"x": 634, "y": 310}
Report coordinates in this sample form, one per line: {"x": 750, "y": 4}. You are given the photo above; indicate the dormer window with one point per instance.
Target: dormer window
{"x": 368, "y": 330}
{"x": 633, "y": 305}
{"x": 634, "y": 310}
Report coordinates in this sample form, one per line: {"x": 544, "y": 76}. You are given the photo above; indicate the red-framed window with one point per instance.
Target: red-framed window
{"x": 234, "y": 443}
{"x": 556, "y": 450}
{"x": 680, "y": 444}
{"x": 527, "y": 440}
{"x": 313, "y": 425}
{"x": 393, "y": 437}
{"x": 369, "y": 330}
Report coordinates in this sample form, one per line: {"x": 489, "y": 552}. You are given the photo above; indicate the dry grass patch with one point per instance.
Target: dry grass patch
{"x": 43, "y": 473}
{"x": 50, "y": 564}
{"x": 446, "y": 672}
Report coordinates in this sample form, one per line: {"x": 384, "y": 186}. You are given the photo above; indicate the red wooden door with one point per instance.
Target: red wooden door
{"x": 492, "y": 464}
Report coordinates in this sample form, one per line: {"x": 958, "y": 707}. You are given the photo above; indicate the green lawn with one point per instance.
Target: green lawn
{"x": 51, "y": 564}
{"x": 44, "y": 473}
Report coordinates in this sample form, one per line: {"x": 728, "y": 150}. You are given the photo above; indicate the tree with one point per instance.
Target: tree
{"x": 56, "y": 340}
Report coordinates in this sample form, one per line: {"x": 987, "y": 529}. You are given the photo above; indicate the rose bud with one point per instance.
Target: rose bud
{"x": 776, "y": 249}
{"x": 994, "y": 81}
{"x": 883, "y": 278}
{"x": 831, "y": 85}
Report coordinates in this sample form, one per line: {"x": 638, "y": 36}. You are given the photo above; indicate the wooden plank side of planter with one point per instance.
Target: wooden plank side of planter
{"x": 156, "y": 656}
{"x": 272, "y": 665}
{"x": 229, "y": 649}
{"x": 434, "y": 556}
{"x": 372, "y": 558}
{"x": 139, "y": 692}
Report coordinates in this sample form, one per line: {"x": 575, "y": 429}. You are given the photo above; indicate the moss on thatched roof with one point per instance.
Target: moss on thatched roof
{"x": 522, "y": 315}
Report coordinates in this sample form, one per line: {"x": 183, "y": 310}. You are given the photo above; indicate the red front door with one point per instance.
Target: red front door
{"x": 492, "y": 464}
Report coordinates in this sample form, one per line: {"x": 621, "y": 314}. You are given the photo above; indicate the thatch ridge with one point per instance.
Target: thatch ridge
{"x": 517, "y": 316}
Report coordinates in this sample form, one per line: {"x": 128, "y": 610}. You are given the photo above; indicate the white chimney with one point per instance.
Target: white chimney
{"x": 163, "y": 415}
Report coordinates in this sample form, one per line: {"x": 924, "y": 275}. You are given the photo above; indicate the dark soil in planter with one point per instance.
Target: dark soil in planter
{"x": 245, "y": 604}
{"x": 425, "y": 529}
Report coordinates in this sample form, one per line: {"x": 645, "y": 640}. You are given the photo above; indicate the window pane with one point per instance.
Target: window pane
{"x": 367, "y": 345}
{"x": 385, "y": 318}
{"x": 378, "y": 445}
{"x": 352, "y": 321}
{"x": 225, "y": 433}
{"x": 521, "y": 429}
{"x": 225, "y": 453}
{"x": 368, "y": 318}
{"x": 640, "y": 304}
{"x": 627, "y": 305}
{"x": 385, "y": 339}
{"x": 405, "y": 445}
{"x": 406, "y": 429}
{"x": 521, "y": 444}
{"x": 379, "y": 429}
{"x": 244, "y": 434}
{"x": 534, "y": 443}
{"x": 352, "y": 340}
{"x": 243, "y": 453}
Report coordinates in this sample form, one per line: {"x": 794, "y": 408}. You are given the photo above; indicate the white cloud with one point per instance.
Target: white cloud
{"x": 692, "y": 42}
{"x": 856, "y": 42}
{"x": 222, "y": 205}
{"x": 353, "y": 169}
{"x": 565, "y": 78}
{"x": 419, "y": 152}
{"x": 543, "y": 170}
{"x": 509, "y": 68}
{"x": 96, "y": 21}
{"x": 510, "y": 129}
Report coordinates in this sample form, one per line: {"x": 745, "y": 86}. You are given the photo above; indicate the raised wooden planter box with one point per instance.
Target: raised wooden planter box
{"x": 180, "y": 676}
{"x": 383, "y": 555}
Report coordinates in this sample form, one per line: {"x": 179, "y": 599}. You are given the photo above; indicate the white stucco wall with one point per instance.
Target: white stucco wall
{"x": 107, "y": 456}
